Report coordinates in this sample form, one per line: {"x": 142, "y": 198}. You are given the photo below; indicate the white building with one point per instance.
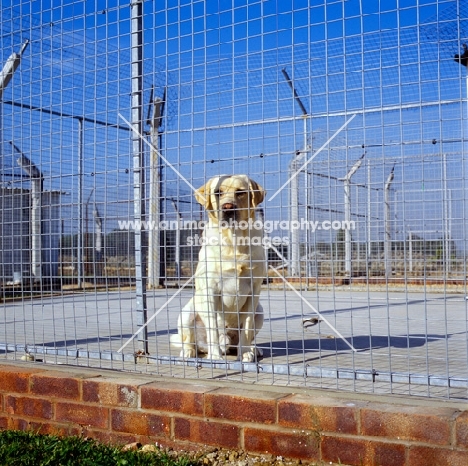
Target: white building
{"x": 15, "y": 235}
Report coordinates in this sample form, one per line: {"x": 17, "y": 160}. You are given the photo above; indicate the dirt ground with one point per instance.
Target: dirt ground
{"x": 219, "y": 456}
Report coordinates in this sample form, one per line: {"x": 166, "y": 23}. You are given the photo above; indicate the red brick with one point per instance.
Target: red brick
{"x": 56, "y": 385}
{"x": 3, "y": 422}
{"x": 47, "y": 427}
{"x": 16, "y": 379}
{"x": 117, "y": 438}
{"x": 31, "y": 407}
{"x": 426, "y": 456}
{"x": 108, "y": 437}
{"x": 114, "y": 438}
{"x": 346, "y": 451}
{"x": 207, "y": 432}
{"x": 15, "y": 423}
{"x": 242, "y": 405}
{"x": 140, "y": 423}
{"x": 51, "y": 428}
{"x": 40, "y": 426}
{"x": 173, "y": 397}
{"x": 321, "y": 414}
{"x": 84, "y": 415}
{"x": 461, "y": 429}
{"x": 298, "y": 444}
{"x": 388, "y": 454}
{"x": 408, "y": 423}
{"x": 361, "y": 452}
{"x": 102, "y": 436}
{"x": 111, "y": 392}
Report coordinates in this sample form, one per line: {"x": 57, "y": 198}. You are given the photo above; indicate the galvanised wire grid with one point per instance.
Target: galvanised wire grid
{"x": 352, "y": 115}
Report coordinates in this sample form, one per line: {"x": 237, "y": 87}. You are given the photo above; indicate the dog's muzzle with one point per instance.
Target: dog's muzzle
{"x": 228, "y": 210}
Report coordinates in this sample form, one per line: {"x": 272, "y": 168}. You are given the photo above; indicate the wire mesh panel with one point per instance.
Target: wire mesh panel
{"x": 350, "y": 121}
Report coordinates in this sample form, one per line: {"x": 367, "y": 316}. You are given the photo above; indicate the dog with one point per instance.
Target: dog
{"x": 225, "y": 311}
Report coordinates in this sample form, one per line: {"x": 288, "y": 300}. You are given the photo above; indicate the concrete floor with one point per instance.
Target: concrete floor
{"x": 404, "y": 342}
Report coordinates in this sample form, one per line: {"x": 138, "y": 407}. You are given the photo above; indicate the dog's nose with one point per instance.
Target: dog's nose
{"x": 228, "y": 206}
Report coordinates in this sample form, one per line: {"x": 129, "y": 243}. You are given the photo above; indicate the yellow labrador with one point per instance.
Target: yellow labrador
{"x": 225, "y": 309}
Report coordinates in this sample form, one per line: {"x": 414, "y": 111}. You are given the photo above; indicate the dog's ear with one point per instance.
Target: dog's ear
{"x": 257, "y": 193}
{"x": 203, "y": 195}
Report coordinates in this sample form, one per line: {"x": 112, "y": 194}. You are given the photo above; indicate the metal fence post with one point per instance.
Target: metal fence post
{"x": 295, "y": 248}
{"x": 154, "y": 199}
{"x": 387, "y": 220}
{"x": 37, "y": 182}
{"x": 138, "y": 169}
{"x": 80, "y": 269}
{"x": 347, "y": 209}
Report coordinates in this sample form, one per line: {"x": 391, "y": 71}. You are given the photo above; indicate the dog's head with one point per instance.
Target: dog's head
{"x": 230, "y": 197}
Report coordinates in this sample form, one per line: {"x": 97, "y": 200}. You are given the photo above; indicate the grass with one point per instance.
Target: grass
{"x": 18, "y": 448}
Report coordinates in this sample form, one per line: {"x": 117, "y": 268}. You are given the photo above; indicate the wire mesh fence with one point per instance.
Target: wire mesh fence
{"x": 353, "y": 117}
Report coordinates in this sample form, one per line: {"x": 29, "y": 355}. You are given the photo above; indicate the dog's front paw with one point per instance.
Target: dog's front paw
{"x": 225, "y": 343}
{"x": 215, "y": 353}
{"x": 249, "y": 356}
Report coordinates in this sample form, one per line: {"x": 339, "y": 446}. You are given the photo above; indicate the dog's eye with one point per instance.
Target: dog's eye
{"x": 218, "y": 192}
{"x": 241, "y": 193}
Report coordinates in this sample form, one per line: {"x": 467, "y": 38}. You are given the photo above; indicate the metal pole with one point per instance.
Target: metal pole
{"x": 295, "y": 259}
{"x": 37, "y": 181}
{"x": 138, "y": 170}
{"x": 86, "y": 266}
{"x": 98, "y": 242}
{"x": 6, "y": 74}
{"x": 295, "y": 265}
{"x": 296, "y": 97}
{"x": 79, "y": 255}
{"x": 36, "y": 230}
{"x": 154, "y": 201}
{"x": 388, "y": 235}
{"x": 177, "y": 242}
{"x": 10, "y": 67}
{"x": 410, "y": 251}
{"x": 347, "y": 210}
{"x": 446, "y": 217}
{"x": 369, "y": 213}
{"x": 306, "y": 205}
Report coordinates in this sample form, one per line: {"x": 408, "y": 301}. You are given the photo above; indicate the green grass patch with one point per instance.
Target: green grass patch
{"x": 18, "y": 448}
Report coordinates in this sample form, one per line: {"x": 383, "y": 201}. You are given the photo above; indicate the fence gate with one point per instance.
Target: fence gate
{"x": 353, "y": 116}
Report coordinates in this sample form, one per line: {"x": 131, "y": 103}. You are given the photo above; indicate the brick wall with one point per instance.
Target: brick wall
{"x": 297, "y": 423}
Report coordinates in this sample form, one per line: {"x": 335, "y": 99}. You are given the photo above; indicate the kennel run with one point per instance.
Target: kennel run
{"x": 352, "y": 115}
